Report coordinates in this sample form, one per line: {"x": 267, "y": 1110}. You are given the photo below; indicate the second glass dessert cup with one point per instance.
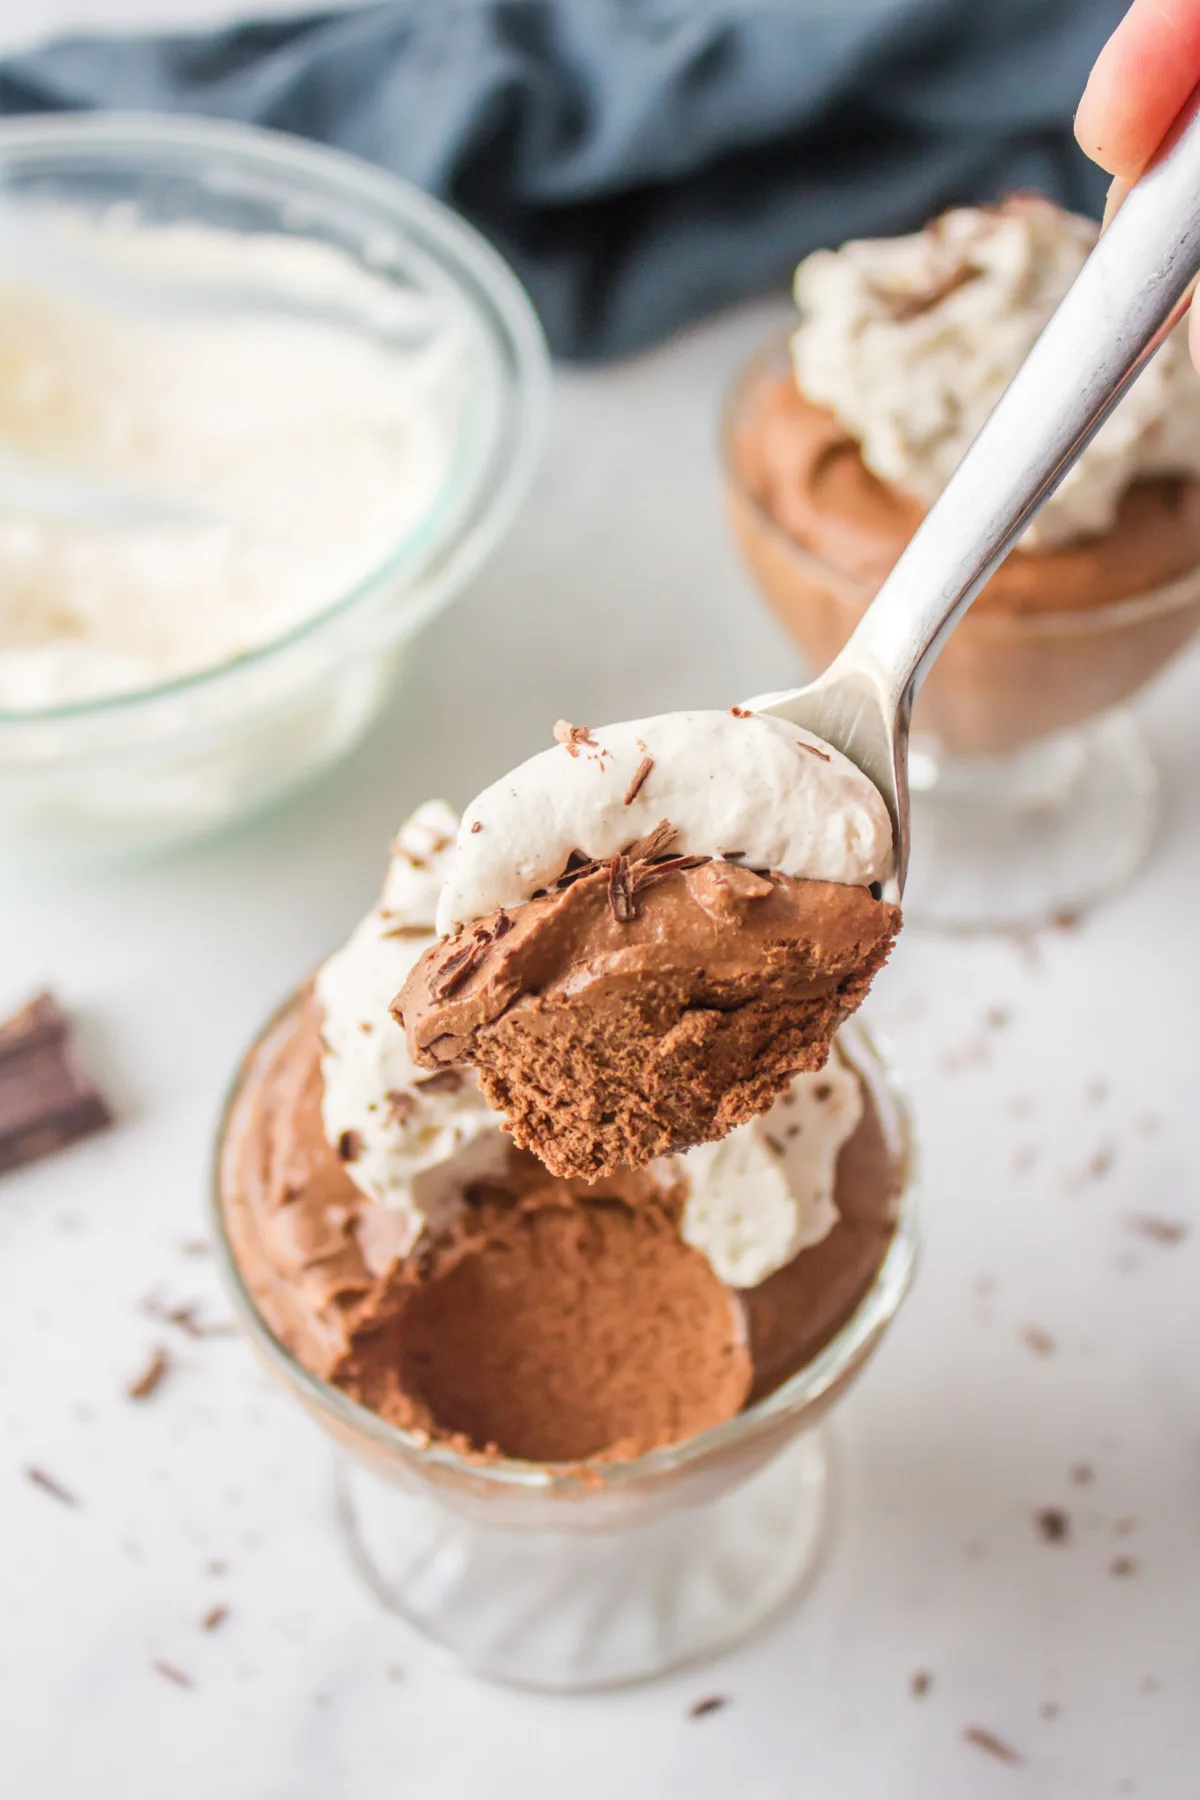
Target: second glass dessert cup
{"x": 1033, "y": 793}
{"x": 568, "y": 1579}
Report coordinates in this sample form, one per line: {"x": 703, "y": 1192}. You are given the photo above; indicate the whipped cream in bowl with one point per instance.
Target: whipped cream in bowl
{"x": 252, "y": 436}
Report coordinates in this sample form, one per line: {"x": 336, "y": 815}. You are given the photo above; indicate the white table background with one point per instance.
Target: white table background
{"x": 1055, "y": 1082}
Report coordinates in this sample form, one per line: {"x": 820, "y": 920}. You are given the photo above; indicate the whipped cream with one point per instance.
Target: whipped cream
{"x": 764, "y": 1193}
{"x": 409, "y": 1140}
{"x": 911, "y": 341}
{"x": 727, "y": 781}
{"x": 205, "y": 439}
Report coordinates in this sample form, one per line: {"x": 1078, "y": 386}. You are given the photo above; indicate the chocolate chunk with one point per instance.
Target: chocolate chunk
{"x": 46, "y": 1099}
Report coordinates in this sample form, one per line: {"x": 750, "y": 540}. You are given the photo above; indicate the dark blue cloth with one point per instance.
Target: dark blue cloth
{"x": 642, "y": 162}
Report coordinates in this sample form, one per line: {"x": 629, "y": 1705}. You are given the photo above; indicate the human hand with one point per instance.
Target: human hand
{"x": 1139, "y": 83}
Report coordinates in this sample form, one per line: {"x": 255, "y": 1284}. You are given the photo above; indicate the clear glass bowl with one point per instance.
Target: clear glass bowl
{"x": 138, "y": 770}
{"x": 1033, "y": 793}
{"x": 573, "y": 1578}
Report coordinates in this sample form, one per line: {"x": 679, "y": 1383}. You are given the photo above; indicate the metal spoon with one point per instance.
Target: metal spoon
{"x": 1113, "y": 318}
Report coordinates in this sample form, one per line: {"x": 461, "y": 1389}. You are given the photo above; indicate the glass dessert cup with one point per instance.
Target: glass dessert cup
{"x": 1033, "y": 793}
{"x": 570, "y": 1578}
{"x": 131, "y": 773}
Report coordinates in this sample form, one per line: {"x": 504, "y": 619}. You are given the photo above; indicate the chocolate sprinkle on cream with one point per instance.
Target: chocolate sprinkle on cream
{"x": 349, "y": 1146}
{"x": 477, "y": 826}
{"x": 700, "y": 1709}
{"x": 903, "y": 306}
{"x": 572, "y": 736}
{"x": 639, "y": 780}
{"x": 741, "y": 712}
{"x": 813, "y": 751}
{"x": 214, "y": 1617}
{"x": 401, "y": 1104}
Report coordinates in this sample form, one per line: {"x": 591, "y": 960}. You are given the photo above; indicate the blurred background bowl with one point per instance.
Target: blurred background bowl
{"x": 138, "y": 770}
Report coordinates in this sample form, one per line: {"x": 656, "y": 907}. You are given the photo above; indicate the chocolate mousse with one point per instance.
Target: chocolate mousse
{"x": 400, "y": 1246}
{"x": 554, "y": 1321}
{"x": 648, "y": 930}
{"x": 646, "y": 1005}
{"x": 836, "y": 450}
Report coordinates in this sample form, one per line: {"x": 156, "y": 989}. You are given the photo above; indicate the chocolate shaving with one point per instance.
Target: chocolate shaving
{"x": 902, "y": 306}
{"x": 349, "y": 1146}
{"x": 46, "y": 1099}
{"x": 577, "y": 867}
{"x": 143, "y": 1385}
{"x": 813, "y": 751}
{"x": 646, "y": 872}
{"x": 572, "y": 736}
{"x": 185, "y": 1318}
{"x": 214, "y": 1617}
{"x": 1159, "y": 1231}
{"x": 620, "y": 890}
{"x": 456, "y": 968}
{"x": 50, "y": 1486}
{"x": 411, "y": 931}
{"x": 401, "y": 1105}
{"x": 711, "y": 1703}
{"x": 919, "y": 1683}
{"x": 989, "y": 1742}
{"x": 655, "y": 843}
{"x": 774, "y": 1144}
{"x": 639, "y": 780}
{"x": 442, "y": 1081}
{"x": 1053, "y": 1523}
{"x": 169, "y": 1672}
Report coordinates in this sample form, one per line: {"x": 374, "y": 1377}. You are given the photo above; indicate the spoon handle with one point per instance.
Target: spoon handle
{"x": 1109, "y": 324}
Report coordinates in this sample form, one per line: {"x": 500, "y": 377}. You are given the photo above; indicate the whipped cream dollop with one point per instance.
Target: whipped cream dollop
{"x": 205, "y": 439}
{"x": 409, "y": 1140}
{"x": 910, "y": 342}
{"x": 412, "y": 1142}
{"x": 731, "y": 783}
{"x": 760, "y": 1196}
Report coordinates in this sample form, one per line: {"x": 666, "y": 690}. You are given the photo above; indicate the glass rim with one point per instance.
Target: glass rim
{"x": 848, "y": 1345}
{"x": 497, "y": 304}
{"x": 1181, "y": 590}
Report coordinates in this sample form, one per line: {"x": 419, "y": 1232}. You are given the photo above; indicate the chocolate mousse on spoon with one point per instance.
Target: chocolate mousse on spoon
{"x": 627, "y": 984}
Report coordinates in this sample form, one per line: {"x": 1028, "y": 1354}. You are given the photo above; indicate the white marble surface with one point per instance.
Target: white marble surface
{"x": 1055, "y": 1083}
